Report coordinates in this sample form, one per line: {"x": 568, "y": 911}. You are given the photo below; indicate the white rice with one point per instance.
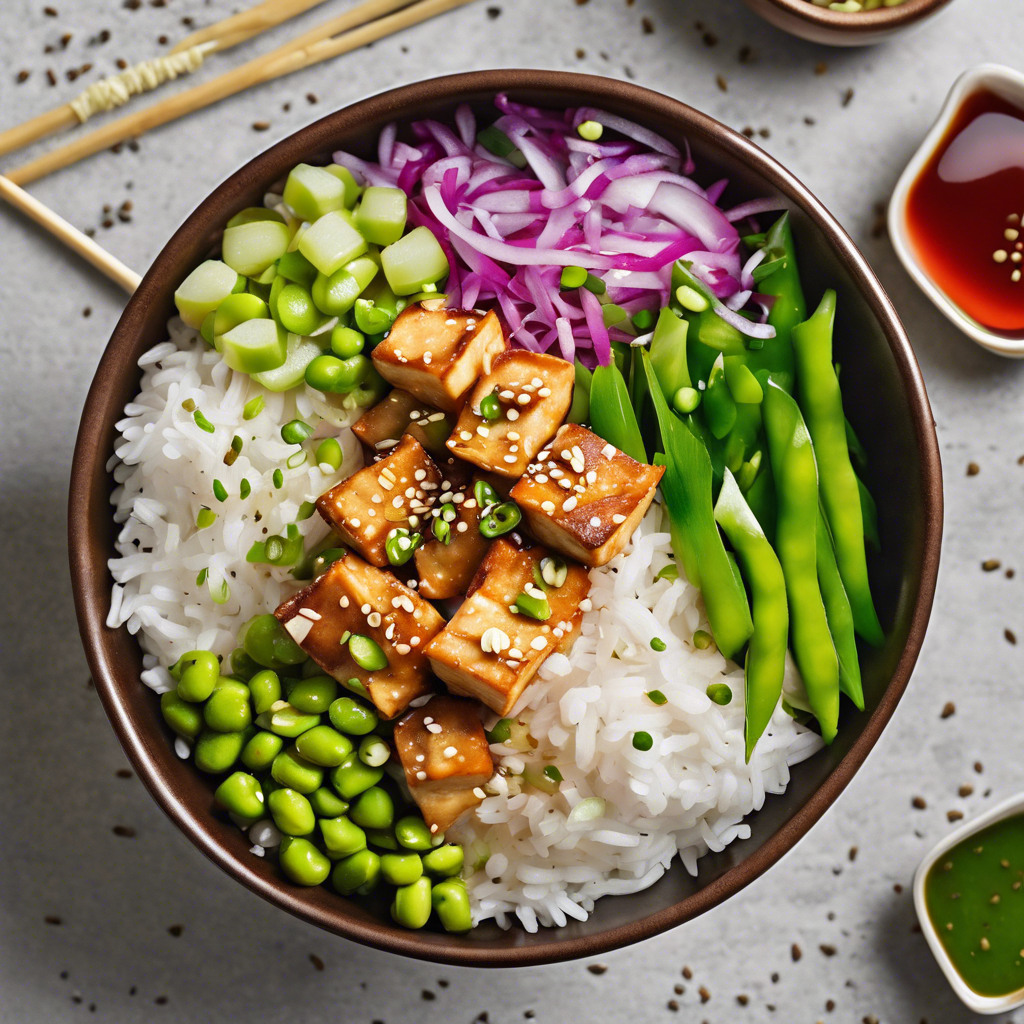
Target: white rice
{"x": 541, "y": 863}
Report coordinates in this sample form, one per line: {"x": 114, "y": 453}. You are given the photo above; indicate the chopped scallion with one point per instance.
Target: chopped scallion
{"x": 202, "y": 422}
{"x": 220, "y": 492}
{"x": 642, "y": 741}
{"x": 253, "y": 408}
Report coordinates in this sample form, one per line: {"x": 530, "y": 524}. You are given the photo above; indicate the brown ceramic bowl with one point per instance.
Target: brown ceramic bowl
{"x": 886, "y": 401}
{"x": 836, "y": 28}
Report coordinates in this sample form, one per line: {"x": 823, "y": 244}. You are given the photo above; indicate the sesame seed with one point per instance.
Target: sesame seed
{"x": 544, "y": 392}
{"x": 1000, "y": 256}
{"x": 310, "y": 614}
{"x": 434, "y": 728}
{"x": 462, "y": 527}
{"x": 512, "y": 435}
{"x": 373, "y": 620}
{"x": 407, "y": 604}
{"x": 343, "y": 602}
{"x": 414, "y": 641}
{"x": 1011, "y": 234}
{"x": 479, "y": 793}
{"x": 538, "y": 643}
{"x": 507, "y": 395}
{"x": 427, "y": 358}
{"x": 595, "y": 521}
{"x": 512, "y": 415}
{"x": 421, "y": 775}
{"x": 608, "y": 451}
{"x": 483, "y": 431}
{"x": 569, "y": 504}
{"x": 547, "y": 506}
{"x": 450, "y": 751}
{"x": 510, "y": 459}
{"x": 365, "y": 609}
{"x": 465, "y": 435}
{"x": 542, "y": 478}
{"x": 618, "y": 519}
{"x": 355, "y": 523}
{"x": 390, "y": 631}
{"x": 403, "y": 648}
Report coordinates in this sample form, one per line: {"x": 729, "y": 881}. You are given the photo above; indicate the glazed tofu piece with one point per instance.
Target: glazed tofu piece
{"x": 396, "y": 492}
{"x": 584, "y": 497}
{"x": 438, "y": 354}
{"x": 381, "y": 427}
{"x": 357, "y": 598}
{"x": 446, "y": 570}
{"x": 444, "y": 751}
{"x": 490, "y": 650}
{"x": 534, "y": 392}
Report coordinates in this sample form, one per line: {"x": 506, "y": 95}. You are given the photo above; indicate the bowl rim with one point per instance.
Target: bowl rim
{"x": 89, "y": 494}
{"x": 973, "y": 1000}
{"x": 860, "y": 23}
{"x": 1008, "y": 83}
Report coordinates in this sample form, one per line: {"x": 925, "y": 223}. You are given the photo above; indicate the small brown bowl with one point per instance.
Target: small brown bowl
{"x": 886, "y": 402}
{"x": 837, "y": 28}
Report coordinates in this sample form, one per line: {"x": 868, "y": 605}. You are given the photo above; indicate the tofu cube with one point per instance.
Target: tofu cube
{"x": 381, "y": 427}
{"x": 396, "y": 492}
{"x": 438, "y": 354}
{"x": 446, "y": 570}
{"x": 535, "y": 393}
{"x": 584, "y": 497}
{"x": 443, "y": 749}
{"x": 491, "y": 652}
{"x": 354, "y": 597}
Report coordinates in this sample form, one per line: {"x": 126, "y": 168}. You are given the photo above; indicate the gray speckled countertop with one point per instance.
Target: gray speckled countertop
{"x": 842, "y": 895}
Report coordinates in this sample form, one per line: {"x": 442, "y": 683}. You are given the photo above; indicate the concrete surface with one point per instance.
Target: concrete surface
{"x": 238, "y": 958}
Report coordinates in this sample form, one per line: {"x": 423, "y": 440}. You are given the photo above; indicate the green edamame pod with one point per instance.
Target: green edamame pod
{"x": 611, "y": 413}
{"x": 766, "y": 653}
{"x": 302, "y": 862}
{"x": 796, "y": 486}
{"x": 822, "y": 404}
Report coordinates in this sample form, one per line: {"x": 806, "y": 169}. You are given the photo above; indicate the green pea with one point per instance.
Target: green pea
{"x": 490, "y": 407}
{"x": 265, "y": 689}
{"x": 302, "y": 862}
{"x": 374, "y": 751}
{"x": 323, "y": 371}
{"x": 199, "y": 676}
{"x": 346, "y": 342}
{"x": 324, "y": 746}
{"x": 374, "y": 808}
{"x": 411, "y": 906}
{"x": 356, "y": 874}
{"x": 295, "y": 431}
{"x": 643, "y": 740}
{"x": 184, "y": 718}
{"x": 401, "y": 868}
{"x": 413, "y": 834}
{"x": 450, "y": 901}
{"x": 216, "y": 752}
{"x": 241, "y": 794}
{"x": 293, "y": 771}
{"x": 313, "y": 696}
{"x": 296, "y": 311}
{"x": 326, "y": 803}
{"x": 342, "y": 837}
{"x": 502, "y": 519}
{"x": 383, "y": 838}
{"x": 367, "y": 653}
{"x": 261, "y": 750}
{"x": 352, "y": 777}
{"x": 242, "y": 665}
{"x": 285, "y": 720}
{"x": 355, "y": 370}
{"x": 444, "y": 862}
{"x": 291, "y": 812}
{"x": 228, "y": 708}
{"x": 329, "y": 453}
{"x": 350, "y": 716}
{"x": 702, "y": 639}
{"x": 268, "y": 644}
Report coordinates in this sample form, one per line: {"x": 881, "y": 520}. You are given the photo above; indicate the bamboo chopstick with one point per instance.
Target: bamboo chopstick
{"x": 240, "y": 27}
{"x": 70, "y": 236}
{"x": 311, "y": 48}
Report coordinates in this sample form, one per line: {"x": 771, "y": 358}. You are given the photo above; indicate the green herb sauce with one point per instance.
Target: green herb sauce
{"x": 975, "y": 899}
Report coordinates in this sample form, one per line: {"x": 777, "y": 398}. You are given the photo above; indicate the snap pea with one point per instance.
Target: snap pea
{"x": 313, "y": 696}
{"x": 324, "y": 746}
{"x": 766, "y": 653}
{"x": 822, "y": 404}
{"x": 265, "y": 689}
{"x": 719, "y": 405}
{"x": 501, "y": 519}
{"x": 292, "y": 771}
{"x": 870, "y": 512}
{"x": 611, "y": 412}
{"x": 373, "y": 808}
{"x": 444, "y": 861}
{"x": 326, "y": 803}
{"x": 349, "y": 716}
{"x": 291, "y": 811}
{"x": 412, "y": 833}
{"x": 268, "y": 644}
{"x": 184, "y": 718}
{"x": 356, "y": 874}
{"x": 302, "y": 862}
{"x": 228, "y": 709}
{"x": 341, "y": 837}
{"x": 401, "y": 868}
{"x": 260, "y": 751}
{"x": 352, "y": 777}
{"x": 411, "y": 905}
{"x": 216, "y": 752}
{"x": 450, "y": 900}
{"x": 199, "y": 673}
{"x": 241, "y": 794}
{"x": 796, "y": 476}
{"x": 579, "y": 412}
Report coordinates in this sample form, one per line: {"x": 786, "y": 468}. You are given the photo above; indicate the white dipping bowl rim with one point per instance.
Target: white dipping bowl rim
{"x": 1009, "y": 84}
{"x": 974, "y": 1000}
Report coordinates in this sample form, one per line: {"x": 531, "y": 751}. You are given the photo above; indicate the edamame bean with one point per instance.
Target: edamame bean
{"x": 268, "y": 644}
{"x": 293, "y": 771}
{"x": 326, "y": 803}
{"x": 444, "y": 862}
{"x": 291, "y": 812}
{"x": 216, "y": 752}
{"x": 450, "y": 900}
{"x": 296, "y": 311}
{"x": 198, "y": 676}
{"x": 342, "y": 837}
{"x": 352, "y": 777}
{"x": 241, "y": 664}
{"x": 228, "y": 708}
{"x": 329, "y": 453}
{"x": 413, "y": 834}
{"x": 367, "y": 653}
{"x": 411, "y": 906}
{"x": 324, "y": 746}
{"x": 265, "y": 688}
{"x": 285, "y": 720}
{"x": 373, "y": 809}
{"x": 302, "y": 862}
{"x": 241, "y": 794}
{"x": 314, "y": 695}
{"x": 348, "y": 715}
{"x": 383, "y": 838}
{"x": 346, "y": 342}
{"x": 374, "y": 751}
{"x": 184, "y": 718}
{"x": 261, "y": 750}
{"x": 401, "y": 868}
{"x": 356, "y": 874}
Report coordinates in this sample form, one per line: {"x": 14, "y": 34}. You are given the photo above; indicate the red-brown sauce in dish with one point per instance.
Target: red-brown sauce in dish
{"x": 965, "y": 212}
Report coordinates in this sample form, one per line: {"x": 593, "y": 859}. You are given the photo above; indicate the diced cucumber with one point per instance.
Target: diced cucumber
{"x": 414, "y": 261}
{"x": 235, "y": 310}
{"x": 336, "y": 295}
{"x": 331, "y": 242}
{"x": 204, "y": 290}
{"x": 295, "y": 267}
{"x": 312, "y": 191}
{"x": 254, "y": 213}
{"x": 296, "y": 312}
{"x": 352, "y": 187}
{"x": 251, "y": 248}
{"x": 301, "y": 352}
{"x": 255, "y": 346}
{"x": 381, "y": 215}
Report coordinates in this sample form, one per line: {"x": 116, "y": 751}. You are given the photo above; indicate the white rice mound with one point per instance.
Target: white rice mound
{"x": 620, "y": 815}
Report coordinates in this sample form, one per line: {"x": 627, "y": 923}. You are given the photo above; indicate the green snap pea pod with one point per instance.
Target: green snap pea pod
{"x": 870, "y": 512}
{"x": 302, "y": 862}
{"x": 839, "y": 615}
{"x": 668, "y": 352}
{"x": 411, "y": 906}
{"x": 822, "y": 404}
{"x": 686, "y": 486}
{"x": 580, "y": 410}
{"x": 611, "y": 412}
{"x": 241, "y": 794}
{"x": 761, "y": 499}
{"x": 796, "y": 486}
{"x": 342, "y": 837}
{"x": 766, "y": 653}
{"x": 450, "y": 900}
{"x": 858, "y": 456}
{"x": 357, "y": 874}
{"x": 719, "y": 405}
